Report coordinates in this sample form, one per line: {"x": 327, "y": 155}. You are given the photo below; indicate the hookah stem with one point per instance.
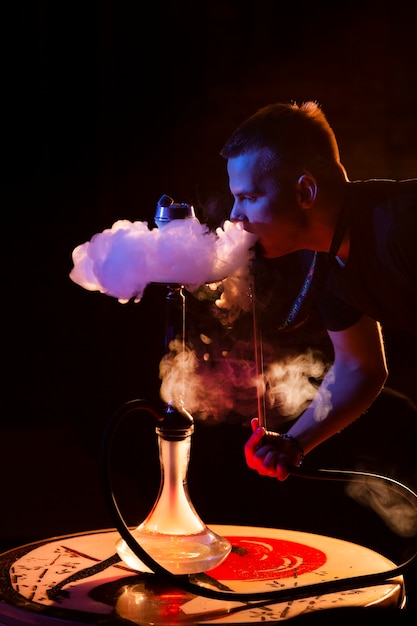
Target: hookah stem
{"x": 175, "y": 328}
{"x": 182, "y": 295}
{"x": 259, "y": 360}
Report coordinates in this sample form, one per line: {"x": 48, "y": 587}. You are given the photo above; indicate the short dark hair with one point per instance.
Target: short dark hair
{"x": 297, "y": 137}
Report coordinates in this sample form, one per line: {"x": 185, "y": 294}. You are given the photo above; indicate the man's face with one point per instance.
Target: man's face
{"x": 267, "y": 206}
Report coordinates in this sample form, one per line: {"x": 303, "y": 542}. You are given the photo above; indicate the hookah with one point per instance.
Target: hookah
{"x": 173, "y": 542}
{"x": 173, "y": 533}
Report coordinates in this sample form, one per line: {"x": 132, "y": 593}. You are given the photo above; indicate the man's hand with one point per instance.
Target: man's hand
{"x": 269, "y": 453}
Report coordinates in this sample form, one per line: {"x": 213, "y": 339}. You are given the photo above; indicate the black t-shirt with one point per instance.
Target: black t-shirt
{"x": 380, "y": 276}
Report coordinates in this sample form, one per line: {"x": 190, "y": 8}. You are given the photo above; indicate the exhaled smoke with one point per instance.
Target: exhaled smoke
{"x": 208, "y": 388}
{"x": 232, "y": 296}
{"x": 123, "y": 260}
{"x": 398, "y": 511}
{"x": 211, "y": 387}
{"x": 292, "y": 382}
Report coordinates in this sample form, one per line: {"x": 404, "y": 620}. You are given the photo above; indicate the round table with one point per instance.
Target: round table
{"x": 79, "y": 579}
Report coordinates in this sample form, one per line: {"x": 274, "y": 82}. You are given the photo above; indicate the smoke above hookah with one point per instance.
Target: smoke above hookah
{"x": 122, "y": 260}
{"x": 221, "y": 376}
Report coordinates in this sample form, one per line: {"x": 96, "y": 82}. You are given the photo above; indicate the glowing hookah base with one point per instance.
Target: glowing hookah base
{"x": 173, "y": 534}
{"x": 179, "y": 554}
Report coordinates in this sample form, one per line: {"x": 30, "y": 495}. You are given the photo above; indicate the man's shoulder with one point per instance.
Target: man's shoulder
{"x": 379, "y": 197}
{"x": 382, "y": 187}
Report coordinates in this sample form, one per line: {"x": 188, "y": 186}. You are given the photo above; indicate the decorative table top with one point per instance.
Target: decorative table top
{"x": 79, "y": 579}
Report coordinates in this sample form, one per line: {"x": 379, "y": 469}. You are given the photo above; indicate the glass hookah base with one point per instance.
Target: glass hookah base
{"x": 179, "y": 554}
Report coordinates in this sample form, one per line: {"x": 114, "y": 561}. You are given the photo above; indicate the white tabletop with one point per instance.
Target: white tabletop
{"x": 261, "y": 559}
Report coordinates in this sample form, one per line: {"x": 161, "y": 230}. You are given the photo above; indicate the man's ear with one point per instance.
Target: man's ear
{"x": 306, "y": 191}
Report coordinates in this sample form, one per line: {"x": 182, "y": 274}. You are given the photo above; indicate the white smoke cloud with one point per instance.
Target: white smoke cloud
{"x": 122, "y": 260}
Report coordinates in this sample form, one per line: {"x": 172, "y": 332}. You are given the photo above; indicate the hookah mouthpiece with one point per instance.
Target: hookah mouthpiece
{"x": 167, "y": 210}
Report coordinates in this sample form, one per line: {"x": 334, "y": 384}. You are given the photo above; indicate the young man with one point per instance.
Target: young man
{"x": 357, "y": 240}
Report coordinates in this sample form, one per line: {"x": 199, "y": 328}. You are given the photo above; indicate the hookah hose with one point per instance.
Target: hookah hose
{"x": 184, "y": 583}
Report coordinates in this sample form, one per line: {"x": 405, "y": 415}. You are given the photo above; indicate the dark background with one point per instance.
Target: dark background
{"x": 108, "y": 105}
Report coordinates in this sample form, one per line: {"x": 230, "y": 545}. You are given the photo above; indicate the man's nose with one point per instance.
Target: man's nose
{"x": 236, "y": 215}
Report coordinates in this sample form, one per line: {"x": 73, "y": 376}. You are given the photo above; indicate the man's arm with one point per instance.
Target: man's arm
{"x": 355, "y": 379}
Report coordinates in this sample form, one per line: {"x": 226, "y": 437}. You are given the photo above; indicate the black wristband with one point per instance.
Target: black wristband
{"x": 296, "y": 445}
